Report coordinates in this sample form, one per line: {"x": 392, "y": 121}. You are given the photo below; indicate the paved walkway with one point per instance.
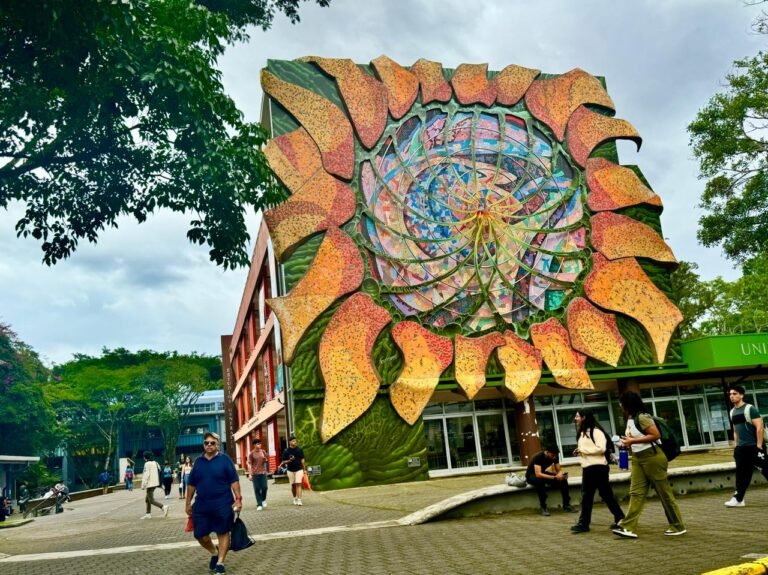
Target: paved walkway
{"x": 356, "y": 531}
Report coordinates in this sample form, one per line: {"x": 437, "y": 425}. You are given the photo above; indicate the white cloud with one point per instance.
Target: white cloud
{"x": 147, "y": 287}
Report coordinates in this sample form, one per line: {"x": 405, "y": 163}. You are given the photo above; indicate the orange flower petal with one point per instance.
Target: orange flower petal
{"x": 594, "y": 332}
{"x": 622, "y": 286}
{"x": 616, "y": 236}
{"x": 470, "y": 84}
{"x": 402, "y": 86}
{"x": 471, "y": 359}
{"x": 318, "y": 201}
{"x": 364, "y": 95}
{"x": 512, "y": 83}
{"x": 554, "y": 100}
{"x": 351, "y": 380}
{"x": 588, "y": 129}
{"x": 612, "y": 187}
{"x": 427, "y": 355}
{"x": 566, "y": 364}
{"x": 336, "y": 270}
{"x": 433, "y": 84}
{"x": 522, "y": 366}
{"x": 325, "y": 122}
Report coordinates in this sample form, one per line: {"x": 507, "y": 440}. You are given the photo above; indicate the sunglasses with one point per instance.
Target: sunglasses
{"x": 209, "y": 443}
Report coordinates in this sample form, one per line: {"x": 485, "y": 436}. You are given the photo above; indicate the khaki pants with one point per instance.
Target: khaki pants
{"x": 649, "y": 467}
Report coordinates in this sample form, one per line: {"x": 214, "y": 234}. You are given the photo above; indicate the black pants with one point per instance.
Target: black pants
{"x": 541, "y": 489}
{"x": 595, "y": 478}
{"x": 167, "y": 483}
{"x": 746, "y": 460}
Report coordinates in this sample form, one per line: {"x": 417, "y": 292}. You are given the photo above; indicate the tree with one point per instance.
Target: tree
{"x": 729, "y": 137}
{"x": 114, "y": 108}
{"x": 692, "y": 296}
{"x": 25, "y": 413}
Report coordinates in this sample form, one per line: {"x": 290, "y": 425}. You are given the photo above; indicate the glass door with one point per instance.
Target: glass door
{"x": 696, "y": 421}
{"x": 461, "y": 442}
{"x": 493, "y": 440}
{"x": 436, "y": 456}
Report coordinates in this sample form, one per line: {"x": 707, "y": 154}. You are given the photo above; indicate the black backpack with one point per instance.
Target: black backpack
{"x": 668, "y": 442}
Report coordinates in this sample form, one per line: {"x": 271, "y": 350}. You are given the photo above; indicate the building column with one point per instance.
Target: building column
{"x": 527, "y": 432}
{"x": 226, "y": 370}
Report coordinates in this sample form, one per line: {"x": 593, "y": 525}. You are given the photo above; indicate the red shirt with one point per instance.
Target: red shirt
{"x": 257, "y": 462}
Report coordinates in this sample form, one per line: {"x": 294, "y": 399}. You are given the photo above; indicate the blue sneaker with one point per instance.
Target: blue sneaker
{"x": 212, "y": 563}
{"x": 219, "y": 569}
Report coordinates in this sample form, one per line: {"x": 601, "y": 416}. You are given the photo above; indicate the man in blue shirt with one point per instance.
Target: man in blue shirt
{"x": 215, "y": 485}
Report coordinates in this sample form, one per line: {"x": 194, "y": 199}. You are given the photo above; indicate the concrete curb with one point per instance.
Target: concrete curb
{"x": 756, "y": 567}
{"x": 498, "y": 498}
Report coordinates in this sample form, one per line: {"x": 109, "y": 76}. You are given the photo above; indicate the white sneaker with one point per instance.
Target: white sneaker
{"x": 165, "y": 510}
{"x": 298, "y": 502}
{"x": 264, "y": 505}
{"x": 259, "y": 508}
{"x": 147, "y": 516}
{"x": 733, "y": 502}
{"x": 294, "y": 501}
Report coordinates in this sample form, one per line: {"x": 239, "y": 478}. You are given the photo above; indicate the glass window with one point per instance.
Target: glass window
{"x": 696, "y": 421}
{"x": 493, "y": 441}
{"x": 718, "y": 415}
{"x": 665, "y": 392}
{"x": 567, "y": 430}
{"x": 436, "y": 457}
{"x": 489, "y": 404}
{"x": 689, "y": 390}
{"x": 568, "y": 399}
{"x": 461, "y": 442}
{"x": 542, "y": 400}
{"x": 433, "y": 409}
{"x": 461, "y": 407}
{"x": 758, "y": 385}
{"x": 762, "y": 402}
{"x": 595, "y": 397}
{"x": 546, "y": 426}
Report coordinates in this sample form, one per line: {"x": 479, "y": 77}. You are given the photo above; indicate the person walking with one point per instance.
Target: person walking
{"x": 186, "y": 469}
{"x": 749, "y": 451}
{"x": 104, "y": 482}
{"x": 23, "y": 498}
{"x": 649, "y": 467}
{"x": 180, "y": 475}
{"x": 293, "y": 459}
{"x": 591, "y": 447}
{"x": 167, "y": 479}
{"x": 544, "y": 471}
{"x": 129, "y": 477}
{"x": 257, "y": 473}
{"x": 215, "y": 487}
{"x": 150, "y": 480}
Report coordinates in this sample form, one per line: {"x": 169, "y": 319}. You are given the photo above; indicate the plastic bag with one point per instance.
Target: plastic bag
{"x": 516, "y": 480}
{"x": 239, "y": 538}
{"x": 189, "y": 527}
{"x": 305, "y": 482}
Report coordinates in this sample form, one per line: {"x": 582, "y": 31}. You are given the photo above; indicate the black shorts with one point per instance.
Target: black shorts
{"x": 219, "y": 520}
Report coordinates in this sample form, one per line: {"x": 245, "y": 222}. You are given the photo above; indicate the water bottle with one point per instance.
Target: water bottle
{"x": 623, "y": 453}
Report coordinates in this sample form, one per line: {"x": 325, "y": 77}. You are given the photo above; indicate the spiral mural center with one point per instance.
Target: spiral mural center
{"x": 472, "y": 219}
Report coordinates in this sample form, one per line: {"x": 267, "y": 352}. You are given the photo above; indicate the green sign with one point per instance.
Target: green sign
{"x": 726, "y": 351}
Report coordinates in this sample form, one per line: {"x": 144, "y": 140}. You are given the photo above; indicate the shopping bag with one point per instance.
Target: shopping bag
{"x": 189, "y": 527}
{"x": 239, "y": 538}
{"x": 305, "y": 482}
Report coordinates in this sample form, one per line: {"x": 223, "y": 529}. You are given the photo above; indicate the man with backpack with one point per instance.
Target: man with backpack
{"x": 749, "y": 451}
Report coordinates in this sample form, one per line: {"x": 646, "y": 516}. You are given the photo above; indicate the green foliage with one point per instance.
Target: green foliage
{"x": 117, "y": 108}
{"x": 728, "y": 138}
{"x": 373, "y": 450}
{"x": 26, "y": 416}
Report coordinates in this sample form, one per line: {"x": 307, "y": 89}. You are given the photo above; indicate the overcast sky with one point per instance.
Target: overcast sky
{"x": 146, "y": 287}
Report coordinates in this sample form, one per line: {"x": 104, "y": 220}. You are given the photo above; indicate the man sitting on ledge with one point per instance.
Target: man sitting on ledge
{"x": 544, "y": 471}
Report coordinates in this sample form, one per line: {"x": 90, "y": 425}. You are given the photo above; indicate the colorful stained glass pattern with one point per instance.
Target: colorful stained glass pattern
{"x": 336, "y": 271}
{"x": 351, "y": 379}
{"x": 472, "y": 218}
{"x": 593, "y": 332}
{"x": 427, "y": 355}
{"x": 522, "y": 366}
{"x": 623, "y": 286}
{"x": 612, "y": 187}
{"x": 471, "y": 360}
{"x": 616, "y": 236}
{"x": 565, "y": 363}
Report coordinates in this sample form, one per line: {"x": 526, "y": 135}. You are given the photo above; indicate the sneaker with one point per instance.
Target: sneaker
{"x": 615, "y": 526}
{"x": 219, "y": 568}
{"x": 733, "y": 502}
{"x": 672, "y": 532}
{"x": 299, "y": 503}
{"x": 259, "y": 508}
{"x": 146, "y": 516}
{"x": 165, "y": 510}
{"x": 213, "y": 561}
{"x": 568, "y": 509}
{"x": 294, "y": 500}
{"x": 264, "y": 505}
{"x": 579, "y": 528}
{"x": 545, "y": 512}
{"x": 621, "y": 532}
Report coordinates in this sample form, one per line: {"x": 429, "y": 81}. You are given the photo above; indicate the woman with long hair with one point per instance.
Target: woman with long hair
{"x": 649, "y": 467}
{"x": 592, "y": 443}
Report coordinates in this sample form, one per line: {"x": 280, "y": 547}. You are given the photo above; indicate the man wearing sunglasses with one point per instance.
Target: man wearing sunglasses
{"x": 215, "y": 485}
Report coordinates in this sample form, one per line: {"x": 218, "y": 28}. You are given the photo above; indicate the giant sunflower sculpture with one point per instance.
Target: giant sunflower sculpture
{"x": 475, "y": 208}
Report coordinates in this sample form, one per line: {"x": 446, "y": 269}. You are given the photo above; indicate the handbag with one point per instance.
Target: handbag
{"x": 305, "y": 482}
{"x": 239, "y": 538}
{"x": 516, "y": 480}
